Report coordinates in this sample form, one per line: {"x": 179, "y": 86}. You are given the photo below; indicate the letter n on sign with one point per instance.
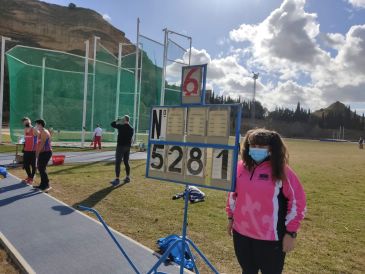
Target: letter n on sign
{"x": 159, "y": 122}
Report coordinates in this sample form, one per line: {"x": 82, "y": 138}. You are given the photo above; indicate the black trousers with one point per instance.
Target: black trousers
{"x": 43, "y": 160}
{"x": 29, "y": 161}
{"x": 122, "y": 154}
{"x": 254, "y": 255}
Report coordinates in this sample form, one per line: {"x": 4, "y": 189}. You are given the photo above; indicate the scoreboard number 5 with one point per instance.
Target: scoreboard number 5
{"x": 157, "y": 157}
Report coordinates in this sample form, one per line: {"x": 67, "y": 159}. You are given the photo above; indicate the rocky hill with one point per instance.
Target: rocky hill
{"x": 40, "y": 24}
{"x": 336, "y": 107}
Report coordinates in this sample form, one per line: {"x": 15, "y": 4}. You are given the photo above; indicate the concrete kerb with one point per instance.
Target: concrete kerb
{"x": 16, "y": 257}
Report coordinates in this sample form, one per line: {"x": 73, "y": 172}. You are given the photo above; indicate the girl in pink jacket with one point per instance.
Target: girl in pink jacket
{"x": 268, "y": 205}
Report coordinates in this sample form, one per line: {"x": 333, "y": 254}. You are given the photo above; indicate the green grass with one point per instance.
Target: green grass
{"x": 331, "y": 240}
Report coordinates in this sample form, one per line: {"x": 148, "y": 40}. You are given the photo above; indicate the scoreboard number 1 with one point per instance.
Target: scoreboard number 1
{"x": 222, "y": 164}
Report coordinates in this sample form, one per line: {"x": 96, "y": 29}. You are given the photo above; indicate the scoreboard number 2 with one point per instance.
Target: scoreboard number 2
{"x": 175, "y": 155}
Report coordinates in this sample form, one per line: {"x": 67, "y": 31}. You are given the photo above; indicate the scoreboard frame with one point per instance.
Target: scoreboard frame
{"x": 235, "y": 148}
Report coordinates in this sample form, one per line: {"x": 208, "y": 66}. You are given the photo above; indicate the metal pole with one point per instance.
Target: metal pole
{"x": 343, "y": 132}
{"x": 255, "y": 76}
{"x": 185, "y": 224}
{"x": 136, "y": 81}
{"x": 140, "y": 90}
{"x": 87, "y": 45}
{"x": 120, "y": 50}
{"x": 162, "y": 98}
{"x": 96, "y": 38}
{"x": 191, "y": 41}
{"x": 2, "y": 84}
{"x": 43, "y": 80}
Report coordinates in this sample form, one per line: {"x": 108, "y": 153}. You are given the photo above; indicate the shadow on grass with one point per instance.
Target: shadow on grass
{"x": 96, "y": 197}
{"x": 73, "y": 167}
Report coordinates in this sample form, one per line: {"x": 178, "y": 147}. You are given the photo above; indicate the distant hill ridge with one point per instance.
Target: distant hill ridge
{"x": 51, "y": 26}
{"x": 336, "y": 107}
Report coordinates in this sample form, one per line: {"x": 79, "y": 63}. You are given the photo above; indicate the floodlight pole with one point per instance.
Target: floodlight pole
{"x": 136, "y": 82}
{"x": 2, "y": 83}
{"x": 96, "y": 38}
{"x": 42, "y": 90}
{"x": 86, "y": 74}
{"x": 255, "y": 76}
{"x": 166, "y": 41}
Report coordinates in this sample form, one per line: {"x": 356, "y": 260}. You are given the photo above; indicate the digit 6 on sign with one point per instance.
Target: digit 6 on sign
{"x": 190, "y": 80}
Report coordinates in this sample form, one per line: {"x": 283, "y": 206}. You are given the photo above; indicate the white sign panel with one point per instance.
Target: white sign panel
{"x": 175, "y": 158}
{"x": 157, "y": 157}
{"x": 191, "y": 87}
{"x": 195, "y": 161}
{"x": 222, "y": 164}
{"x": 159, "y": 122}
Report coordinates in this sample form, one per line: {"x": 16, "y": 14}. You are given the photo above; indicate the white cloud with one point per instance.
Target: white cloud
{"x": 334, "y": 40}
{"x": 284, "y": 48}
{"x": 357, "y": 3}
{"x": 107, "y": 17}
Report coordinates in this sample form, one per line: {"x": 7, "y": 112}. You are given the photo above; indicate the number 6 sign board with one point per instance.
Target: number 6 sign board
{"x": 193, "y": 84}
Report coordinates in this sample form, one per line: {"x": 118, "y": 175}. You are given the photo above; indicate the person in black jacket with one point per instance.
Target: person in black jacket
{"x": 125, "y": 135}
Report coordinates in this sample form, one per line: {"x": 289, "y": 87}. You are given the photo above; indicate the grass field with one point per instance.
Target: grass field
{"x": 331, "y": 240}
{"x": 6, "y": 266}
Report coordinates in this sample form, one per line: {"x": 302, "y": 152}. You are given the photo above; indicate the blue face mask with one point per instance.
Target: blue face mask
{"x": 258, "y": 154}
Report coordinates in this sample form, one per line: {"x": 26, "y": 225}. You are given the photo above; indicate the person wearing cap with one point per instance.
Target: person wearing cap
{"x": 43, "y": 154}
{"x": 125, "y": 135}
{"x": 30, "y": 143}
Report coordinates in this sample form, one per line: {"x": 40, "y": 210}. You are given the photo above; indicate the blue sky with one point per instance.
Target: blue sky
{"x": 234, "y": 37}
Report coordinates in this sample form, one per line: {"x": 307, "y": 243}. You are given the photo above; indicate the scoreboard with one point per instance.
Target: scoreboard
{"x": 194, "y": 144}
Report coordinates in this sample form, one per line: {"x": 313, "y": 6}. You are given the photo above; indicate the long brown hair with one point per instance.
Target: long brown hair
{"x": 279, "y": 156}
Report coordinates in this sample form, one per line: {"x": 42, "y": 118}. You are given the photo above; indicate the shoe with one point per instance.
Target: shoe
{"x": 25, "y": 180}
{"x": 127, "y": 180}
{"x": 47, "y": 189}
{"x": 116, "y": 182}
{"x": 29, "y": 181}
{"x": 37, "y": 187}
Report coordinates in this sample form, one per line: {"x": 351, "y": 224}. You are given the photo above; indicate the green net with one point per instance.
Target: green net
{"x": 57, "y": 79}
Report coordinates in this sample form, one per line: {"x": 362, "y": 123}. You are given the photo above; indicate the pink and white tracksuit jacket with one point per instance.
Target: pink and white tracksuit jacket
{"x": 262, "y": 208}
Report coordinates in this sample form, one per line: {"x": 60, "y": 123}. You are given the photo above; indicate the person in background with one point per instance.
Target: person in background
{"x": 43, "y": 154}
{"x": 361, "y": 143}
{"x": 125, "y": 135}
{"x": 98, "y": 132}
{"x": 267, "y": 206}
{"x": 29, "y": 157}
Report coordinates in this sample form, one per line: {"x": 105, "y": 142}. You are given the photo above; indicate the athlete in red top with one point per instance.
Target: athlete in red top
{"x": 29, "y": 159}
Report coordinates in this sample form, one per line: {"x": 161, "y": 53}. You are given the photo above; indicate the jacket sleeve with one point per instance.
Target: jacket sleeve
{"x": 231, "y": 204}
{"x": 231, "y": 199}
{"x": 294, "y": 192}
{"x": 114, "y": 124}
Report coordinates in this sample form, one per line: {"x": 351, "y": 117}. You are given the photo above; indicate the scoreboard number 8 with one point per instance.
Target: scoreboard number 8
{"x": 195, "y": 162}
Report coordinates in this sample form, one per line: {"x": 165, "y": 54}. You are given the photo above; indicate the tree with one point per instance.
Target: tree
{"x": 72, "y": 6}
